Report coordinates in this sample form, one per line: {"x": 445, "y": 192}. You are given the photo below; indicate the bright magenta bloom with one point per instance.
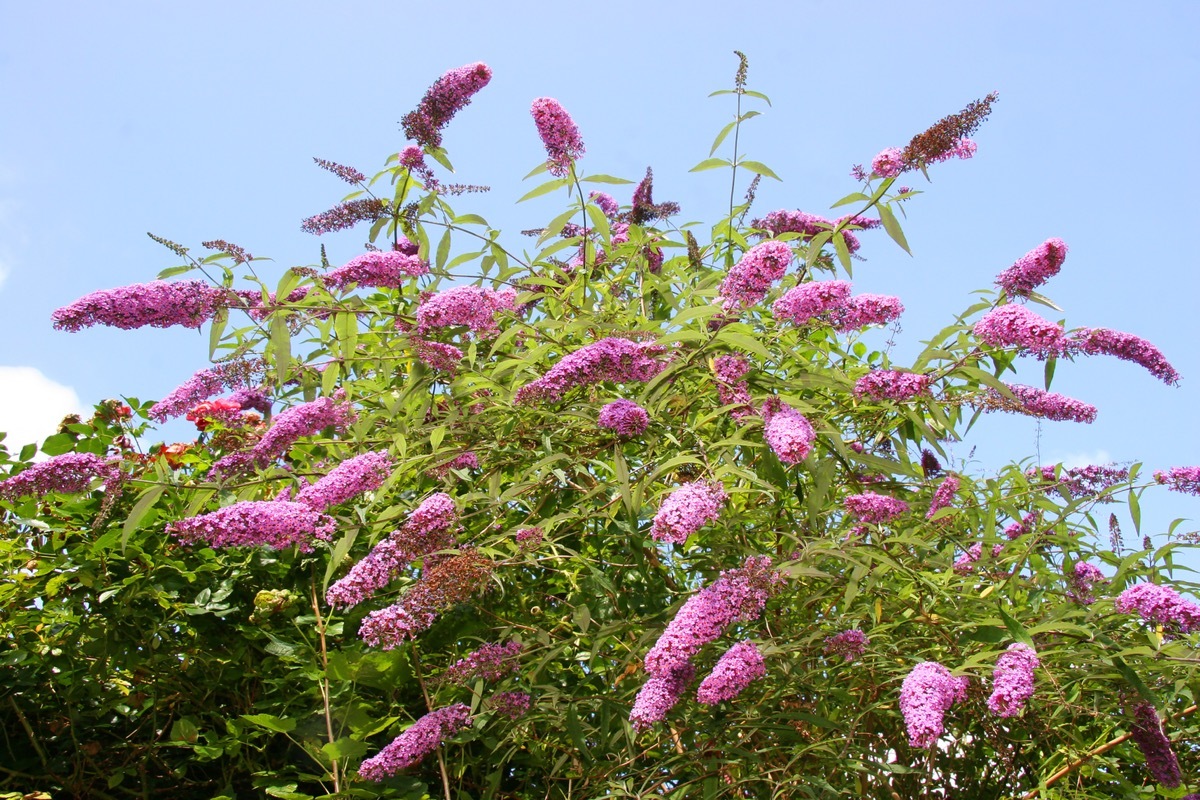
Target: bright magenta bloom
{"x": 448, "y": 95}
{"x": 158, "y": 304}
{"x": 736, "y": 669}
{"x": 1034, "y": 268}
{"x": 750, "y": 279}
{"x": 1012, "y": 680}
{"x": 686, "y": 510}
{"x": 927, "y": 694}
{"x": 560, "y": 135}
{"x": 422, "y": 738}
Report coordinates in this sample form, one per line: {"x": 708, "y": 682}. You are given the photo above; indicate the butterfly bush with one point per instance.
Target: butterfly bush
{"x": 1127, "y": 347}
{"x": 1161, "y": 605}
{"x": 288, "y": 427}
{"x": 1180, "y": 479}
{"x": 686, "y": 510}
{"x": 611, "y": 359}
{"x": 491, "y": 662}
{"x": 864, "y": 310}
{"x": 158, "y": 304}
{"x": 889, "y": 384}
{"x": 730, "y": 371}
{"x": 873, "y": 507}
{"x": 471, "y": 306}
{"x": 808, "y": 301}
{"x": 789, "y": 434}
{"x": 926, "y": 695}
{"x": 257, "y": 523}
{"x": 513, "y": 705}
{"x": 1083, "y": 579}
{"x": 1016, "y": 326}
{"x": 421, "y": 739}
{"x": 943, "y": 496}
{"x": 1036, "y": 402}
{"x": 207, "y": 382}
{"x": 849, "y": 644}
{"x": 1012, "y": 680}
{"x": 1034, "y": 268}
{"x": 751, "y": 277}
{"x": 659, "y": 694}
{"x": 737, "y": 595}
{"x": 560, "y": 135}
{"x": 736, "y": 669}
{"x": 430, "y": 527}
{"x": 1148, "y": 734}
{"x": 69, "y": 473}
{"x": 349, "y": 479}
{"x": 624, "y": 418}
{"x": 380, "y": 269}
{"x": 447, "y": 96}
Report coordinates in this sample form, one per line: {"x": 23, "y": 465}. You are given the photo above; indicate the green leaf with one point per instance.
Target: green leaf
{"x": 721, "y": 136}
{"x": 1135, "y": 512}
{"x": 345, "y": 748}
{"x": 843, "y": 252}
{"x": 438, "y": 154}
{"x": 469, "y": 219}
{"x": 711, "y": 163}
{"x": 1016, "y": 629}
{"x": 604, "y": 179}
{"x": 139, "y": 511}
{"x": 172, "y": 271}
{"x": 281, "y": 346}
{"x": 892, "y": 226}
{"x": 545, "y": 188}
{"x": 760, "y": 168}
{"x": 58, "y": 443}
{"x": 855, "y": 197}
{"x": 759, "y": 95}
{"x": 271, "y": 723}
{"x": 217, "y": 330}
{"x": 443, "y": 250}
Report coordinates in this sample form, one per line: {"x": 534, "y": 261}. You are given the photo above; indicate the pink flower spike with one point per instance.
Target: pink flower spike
{"x": 749, "y": 280}
{"x": 1012, "y": 680}
{"x": 158, "y": 304}
{"x": 927, "y": 694}
{"x": 686, "y": 510}
{"x": 876, "y": 508}
{"x": 446, "y": 97}
{"x": 885, "y": 384}
{"x": 564, "y": 145}
{"x": 736, "y": 669}
{"x": 1016, "y": 326}
{"x": 1034, "y": 268}
{"x": 411, "y": 747}
{"x": 786, "y": 430}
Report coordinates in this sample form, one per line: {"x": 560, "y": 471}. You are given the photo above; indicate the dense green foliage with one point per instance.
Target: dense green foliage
{"x": 136, "y": 666}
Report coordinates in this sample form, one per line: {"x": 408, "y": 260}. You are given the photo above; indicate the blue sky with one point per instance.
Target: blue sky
{"x": 199, "y": 121}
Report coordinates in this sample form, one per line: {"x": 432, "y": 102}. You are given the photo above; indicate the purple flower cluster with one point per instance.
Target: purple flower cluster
{"x": 789, "y": 434}
{"x": 383, "y": 269}
{"x": 926, "y": 695}
{"x": 1147, "y": 733}
{"x": 253, "y": 523}
{"x": 411, "y": 747}
{"x": 737, "y": 595}
{"x": 624, "y": 418}
{"x": 1034, "y": 268}
{"x": 876, "y": 508}
{"x": 513, "y": 705}
{"x": 345, "y": 215}
{"x": 1092, "y": 479}
{"x": 1126, "y": 347}
{"x": 659, "y": 695}
{"x": 686, "y": 510}
{"x": 158, "y": 304}
{"x": 1083, "y": 579}
{"x": 889, "y": 384}
{"x": 529, "y": 537}
{"x": 559, "y": 134}
{"x": 69, "y": 473}
{"x": 1180, "y": 479}
{"x": 888, "y": 163}
{"x": 472, "y": 306}
{"x": 1012, "y": 680}
{"x": 751, "y": 277}
{"x": 606, "y": 202}
{"x": 1053, "y": 406}
{"x": 260, "y": 307}
{"x": 733, "y": 672}
{"x": 1015, "y": 325}
{"x": 305, "y": 419}
{"x": 943, "y": 496}
{"x": 849, "y": 644}
{"x": 429, "y": 528}
{"x": 610, "y": 359}
{"x": 1161, "y": 605}
{"x": 965, "y": 564}
{"x": 444, "y": 585}
{"x": 438, "y": 356}
{"x": 808, "y": 301}
{"x": 1016, "y": 530}
{"x": 730, "y": 371}
{"x": 445, "y": 98}
{"x": 204, "y": 384}
{"x": 866, "y": 309}
{"x": 490, "y": 662}
{"x": 349, "y": 479}
{"x": 247, "y": 398}
{"x": 809, "y": 225}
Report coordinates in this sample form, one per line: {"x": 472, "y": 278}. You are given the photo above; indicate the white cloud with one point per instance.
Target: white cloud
{"x": 32, "y": 406}
{"x": 1086, "y": 459}
{"x": 4, "y": 270}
